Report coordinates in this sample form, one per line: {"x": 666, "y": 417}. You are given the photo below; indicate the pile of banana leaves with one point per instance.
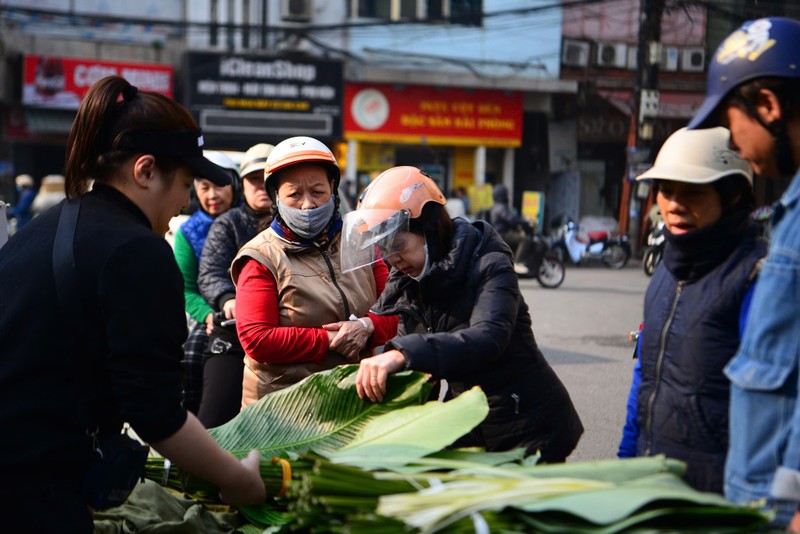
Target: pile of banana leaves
{"x": 334, "y": 463}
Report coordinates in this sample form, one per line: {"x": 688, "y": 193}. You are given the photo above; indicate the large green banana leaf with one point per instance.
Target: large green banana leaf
{"x": 322, "y": 413}
{"x": 402, "y": 436}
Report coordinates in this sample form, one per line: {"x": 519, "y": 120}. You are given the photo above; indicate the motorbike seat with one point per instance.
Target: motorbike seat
{"x": 600, "y": 235}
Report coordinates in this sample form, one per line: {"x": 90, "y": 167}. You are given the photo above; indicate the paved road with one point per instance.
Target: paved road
{"x": 582, "y": 328}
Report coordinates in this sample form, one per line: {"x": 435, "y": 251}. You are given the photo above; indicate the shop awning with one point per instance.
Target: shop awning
{"x": 671, "y": 105}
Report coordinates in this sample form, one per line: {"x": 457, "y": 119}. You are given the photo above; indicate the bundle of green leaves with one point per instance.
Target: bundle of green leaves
{"x": 335, "y": 463}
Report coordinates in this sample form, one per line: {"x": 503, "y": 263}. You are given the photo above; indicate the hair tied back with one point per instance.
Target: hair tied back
{"x": 129, "y": 93}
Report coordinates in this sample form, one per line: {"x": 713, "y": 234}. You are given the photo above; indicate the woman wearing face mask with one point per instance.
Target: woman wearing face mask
{"x": 297, "y": 313}
{"x": 462, "y": 316}
{"x": 678, "y": 403}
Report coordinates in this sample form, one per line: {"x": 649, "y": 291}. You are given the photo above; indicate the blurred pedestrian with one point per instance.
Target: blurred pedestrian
{"x": 22, "y": 211}
{"x": 51, "y": 192}
{"x": 512, "y": 227}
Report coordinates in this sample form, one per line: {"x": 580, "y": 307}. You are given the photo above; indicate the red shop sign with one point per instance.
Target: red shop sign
{"x": 60, "y": 82}
{"x": 435, "y": 116}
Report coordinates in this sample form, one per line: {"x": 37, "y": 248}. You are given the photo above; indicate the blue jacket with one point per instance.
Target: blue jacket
{"x": 764, "y": 456}
{"x": 678, "y": 403}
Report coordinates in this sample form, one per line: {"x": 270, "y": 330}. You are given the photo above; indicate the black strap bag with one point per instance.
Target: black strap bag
{"x": 118, "y": 460}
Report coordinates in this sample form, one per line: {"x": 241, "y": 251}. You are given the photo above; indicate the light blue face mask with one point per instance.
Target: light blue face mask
{"x": 307, "y": 223}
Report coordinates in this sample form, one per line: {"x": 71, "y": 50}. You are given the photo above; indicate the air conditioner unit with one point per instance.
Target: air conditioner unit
{"x": 575, "y": 53}
{"x": 614, "y": 55}
{"x": 633, "y": 58}
{"x": 296, "y": 10}
{"x": 693, "y": 59}
{"x": 669, "y": 59}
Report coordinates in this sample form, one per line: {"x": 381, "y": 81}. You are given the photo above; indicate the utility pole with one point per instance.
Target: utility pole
{"x": 645, "y": 103}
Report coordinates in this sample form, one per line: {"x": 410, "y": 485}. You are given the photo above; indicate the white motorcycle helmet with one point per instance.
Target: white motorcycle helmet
{"x": 697, "y": 157}
{"x": 297, "y": 150}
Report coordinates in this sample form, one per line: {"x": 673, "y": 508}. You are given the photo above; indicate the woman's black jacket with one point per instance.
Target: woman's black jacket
{"x": 466, "y": 322}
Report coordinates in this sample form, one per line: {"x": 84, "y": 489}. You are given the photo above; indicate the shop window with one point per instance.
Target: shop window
{"x": 467, "y": 12}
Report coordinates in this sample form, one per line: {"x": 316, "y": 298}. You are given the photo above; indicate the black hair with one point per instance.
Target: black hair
{"x": 112, "y": 107}
{"x": 787, "y": 90}
{"x": 735, "y": 192}
{"x": 436, "y": 226}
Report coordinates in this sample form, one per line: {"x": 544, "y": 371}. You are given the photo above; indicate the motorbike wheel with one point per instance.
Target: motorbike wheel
{"x": 651, "y": 259}
{"x": 616, "y": 257}
{"x": 551, "y": 272}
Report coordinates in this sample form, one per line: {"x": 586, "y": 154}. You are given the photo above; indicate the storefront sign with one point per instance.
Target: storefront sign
{"x": 60, "y": 82}
{"x": 266, "y": 84}
{"x": 435, "y": 116}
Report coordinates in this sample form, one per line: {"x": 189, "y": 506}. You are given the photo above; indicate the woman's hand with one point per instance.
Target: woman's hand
{"x": 248, "y": 488}
{"x": 229, "y": 309}
{"x": 373, "y": 373}
{"x": 349, "y": 338}
{"x": 794, "y": 525}
{"x": 209, "y": 323}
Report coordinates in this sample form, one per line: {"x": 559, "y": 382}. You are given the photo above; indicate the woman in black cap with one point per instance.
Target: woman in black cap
{"x": 92, "y": 319}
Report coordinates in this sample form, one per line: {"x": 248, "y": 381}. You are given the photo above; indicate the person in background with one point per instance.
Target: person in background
{"x": 455, "y": 206}
{"x": 513, "y": 228}
{"x": 462, "y": 316}
{"x": 223, "y": 360}
{"x": 73, "y": 370}
{"x": 26, "y": 193}
{"x": 678, "y": 402}
{"x": 50, "y": 194}
{"x": 213, "y": 201}
{"x": 461, "y": 193}
{"x": 297, "y": 312}
{"x": 754, "y": 90}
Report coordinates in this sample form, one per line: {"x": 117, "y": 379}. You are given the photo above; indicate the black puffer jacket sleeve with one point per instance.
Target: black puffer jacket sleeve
{"x": 228, "y": 233}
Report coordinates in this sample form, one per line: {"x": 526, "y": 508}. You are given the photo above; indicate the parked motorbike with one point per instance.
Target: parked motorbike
{"x": 654, "y": 251}
{"x": 542, "y": 263}
{"x": 613, "y": 250}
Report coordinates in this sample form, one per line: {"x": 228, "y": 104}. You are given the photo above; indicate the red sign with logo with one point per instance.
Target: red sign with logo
{"x": 60, "y": 82}
{"x": 428, "y": 115}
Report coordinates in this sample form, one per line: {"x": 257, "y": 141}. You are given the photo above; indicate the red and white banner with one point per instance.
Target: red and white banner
{"x": 60, "y": 82}
{"x": 432, "y": 115}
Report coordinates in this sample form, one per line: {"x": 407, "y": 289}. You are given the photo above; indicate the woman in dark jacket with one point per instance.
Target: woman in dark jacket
{"x": 678, "y": 404}
{"x": 462, "y": 316}
{"x": 95, "y": 340}
{"x": 223, "y": 364}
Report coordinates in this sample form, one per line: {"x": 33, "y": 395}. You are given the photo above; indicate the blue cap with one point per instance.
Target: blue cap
{"x": 768, "y": 47}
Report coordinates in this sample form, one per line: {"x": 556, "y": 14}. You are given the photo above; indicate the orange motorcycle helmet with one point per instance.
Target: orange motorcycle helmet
{"x": 385, "y": 209}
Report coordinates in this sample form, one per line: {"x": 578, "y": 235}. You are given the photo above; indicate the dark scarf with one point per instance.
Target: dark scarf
{"x": 321, "y": 241}
{"x": 692, "y": 255}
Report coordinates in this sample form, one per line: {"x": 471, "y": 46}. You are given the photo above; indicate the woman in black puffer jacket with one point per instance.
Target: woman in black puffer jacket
{"x": 462, "y": 316}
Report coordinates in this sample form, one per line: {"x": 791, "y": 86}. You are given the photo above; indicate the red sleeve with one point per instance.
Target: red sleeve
{"x": 385, "y": 325}
{"x": 381, "y": 273}
{"x": 257, "y": 322}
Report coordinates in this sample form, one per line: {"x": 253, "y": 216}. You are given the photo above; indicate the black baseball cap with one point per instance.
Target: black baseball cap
{"x": 185, "y": 146}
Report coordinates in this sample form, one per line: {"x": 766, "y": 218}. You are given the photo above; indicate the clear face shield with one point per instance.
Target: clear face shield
{"x": 370, "y": 235}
